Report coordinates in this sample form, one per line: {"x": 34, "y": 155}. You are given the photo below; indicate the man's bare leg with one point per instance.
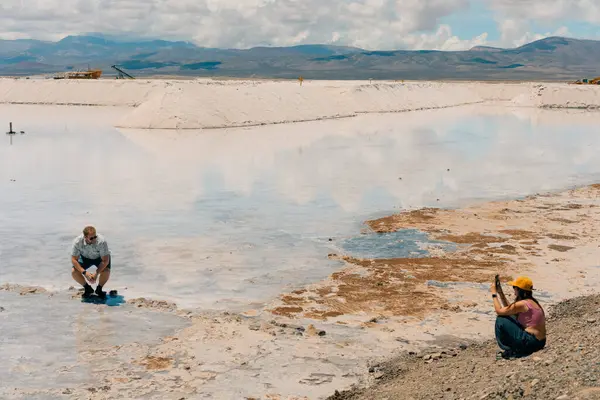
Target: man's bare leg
{"x": 103, "y": 278}
{"x": 81, "y": 280}
{"x": 78, "y": 277}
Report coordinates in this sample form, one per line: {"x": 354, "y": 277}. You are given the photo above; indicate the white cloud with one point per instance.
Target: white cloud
{"x": 517, "y": 19}
{"x": 381, "y": 24}
{"x": 548, "y": 11}
{"x": 443, "y": 39}
{"x": 370, "y": 24}
{"x": 529, "y": 37}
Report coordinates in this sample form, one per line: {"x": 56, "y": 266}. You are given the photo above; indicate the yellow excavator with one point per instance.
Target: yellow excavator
{"x": 585, "y": 81}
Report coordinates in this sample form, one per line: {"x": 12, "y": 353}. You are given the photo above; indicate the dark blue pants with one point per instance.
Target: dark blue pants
{"x": 88, "y": 262}
{"x": 512, "y": 337}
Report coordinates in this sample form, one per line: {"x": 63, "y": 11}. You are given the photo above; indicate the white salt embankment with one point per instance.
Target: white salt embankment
{"x": 77, "y": 92}
{"x": 205, "y": 103}
{"x": 570, "y": 97}
{"x": 219, "y": 105}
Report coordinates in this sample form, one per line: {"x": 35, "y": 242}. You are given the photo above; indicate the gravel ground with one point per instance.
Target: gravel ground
{"x": 568, "y": 368}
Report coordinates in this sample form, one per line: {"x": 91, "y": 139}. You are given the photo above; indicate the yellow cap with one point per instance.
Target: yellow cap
{"x": 522, "y": 282}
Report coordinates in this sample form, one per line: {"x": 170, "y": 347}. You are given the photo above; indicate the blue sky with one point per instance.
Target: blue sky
{"x": 370, "y": 24}
{"x": 479, "y": 17}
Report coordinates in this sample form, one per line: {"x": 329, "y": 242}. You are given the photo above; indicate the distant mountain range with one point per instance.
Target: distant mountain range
{"x": 553, "y": 58}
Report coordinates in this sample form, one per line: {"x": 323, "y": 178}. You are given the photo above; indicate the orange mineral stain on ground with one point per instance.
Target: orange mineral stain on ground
{"x": 156, "y": 363}
{"x": 387, "y": 287}
{"x": 504, "y": 237}
{"x": 286, "y": 311}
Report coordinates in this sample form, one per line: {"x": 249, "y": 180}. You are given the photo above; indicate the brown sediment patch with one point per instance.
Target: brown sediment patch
{"x": 560, "y": 248}
{"x": 453, "y": 307}
{"x": 514, "y": 211}
{"x": 563, "y": 220}
{"x": 395, "y": 222}
{"x": 573, "y": 206}
{"x": 142, "y": 302}
{"x": 491, "y": 251}
{"x": 499, "y": 217}
{"x": 446, "y": 269}
{"x": 287, "y": 311}
{"x": 293, "y": 300}
{"x": 322, "y": 315}
{"x": 32, "y": 290}
{"x": 519, "y": 234}
{"x": 367, "y": 294}
{"x": 23, "y": 290}
{"x": 595, "y": 186}
{"x": 156, "y": 363}
{"x": 503, "y": 249}
{"x": 471, "y": 238}
{"x": 530, "y": 248}
{"x": 529, "y": 242}
{"x": 388, "y": 287}
{"x": 561, "y": 237}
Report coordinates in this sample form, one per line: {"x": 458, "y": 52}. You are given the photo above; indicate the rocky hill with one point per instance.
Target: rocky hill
{"x": 567, "y": 369}
{"x": 553, "y": 58}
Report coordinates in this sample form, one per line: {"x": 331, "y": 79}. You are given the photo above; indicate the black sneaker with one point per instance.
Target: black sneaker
{"x": 100, "y": 293}
{"x": 87, "y": 291}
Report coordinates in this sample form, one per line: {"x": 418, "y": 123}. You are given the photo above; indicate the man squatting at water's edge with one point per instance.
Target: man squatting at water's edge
{"x": 90, "y": 249}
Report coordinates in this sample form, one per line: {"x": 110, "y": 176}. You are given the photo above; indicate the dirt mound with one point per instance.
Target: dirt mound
{"x": 568, "y": 368}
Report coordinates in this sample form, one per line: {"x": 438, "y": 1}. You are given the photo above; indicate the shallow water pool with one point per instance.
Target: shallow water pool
{"x": 46, "y": 337}
{"x": 230, "y": 218}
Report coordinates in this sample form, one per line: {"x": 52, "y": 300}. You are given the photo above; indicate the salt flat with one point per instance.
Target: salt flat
{"x": 240, "y": 224}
